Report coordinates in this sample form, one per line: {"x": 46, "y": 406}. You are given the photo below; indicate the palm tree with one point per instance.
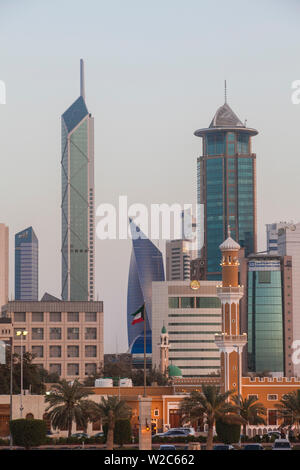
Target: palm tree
{"x": 211, "y": 405}
{"x": 250, "y": 410}
{"x": 289, "y": 409}
{"x": 112, "y": 409}
{"x": 67, "y": 403}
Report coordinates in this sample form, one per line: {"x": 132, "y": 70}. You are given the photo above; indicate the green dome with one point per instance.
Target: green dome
{"x": 174, "y": 371}
{"x": 164, "y": 329}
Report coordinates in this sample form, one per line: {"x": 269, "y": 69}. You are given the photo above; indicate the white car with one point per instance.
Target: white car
{"x": 281, "y": 444}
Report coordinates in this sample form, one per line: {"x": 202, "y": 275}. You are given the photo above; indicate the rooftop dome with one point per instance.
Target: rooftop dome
{"x": 174, "y": 371}
{"x": 229, "y": 245}
{"x": 164, "y": 330}
{"x": 225, "y": 117}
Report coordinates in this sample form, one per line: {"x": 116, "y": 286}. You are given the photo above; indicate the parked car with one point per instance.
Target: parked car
{"x": 253, "y": 447}
{"x": 172, "y": 433}
{"x": 80, "y": 435}
{"x": 187, "y": 430}
{"x": 167, "y": 447}
{"x": 98, "y": 434}
{"x": 223, "y": 447}
{"x": 275, "y": 433}
{"x": 282, "y": 444}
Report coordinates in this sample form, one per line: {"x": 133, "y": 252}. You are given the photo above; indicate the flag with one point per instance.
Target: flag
{"x": 138, "y": 316}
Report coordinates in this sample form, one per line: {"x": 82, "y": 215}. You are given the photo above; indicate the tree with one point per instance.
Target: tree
{"x": 152, "y": 376}
{"x": 67, "y": 403}
{"x": 211, "y": 405}
{"x": 28, "y": 432}
{"x": 110, "y": 410}
{"x": 250, "y": 409}
{"x": 289, "y": 409}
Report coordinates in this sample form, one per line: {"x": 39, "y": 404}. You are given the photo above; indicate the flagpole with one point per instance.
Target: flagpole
{"x": 144, "y": 315}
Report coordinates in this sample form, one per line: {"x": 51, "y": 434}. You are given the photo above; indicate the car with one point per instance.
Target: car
{"x": 223, "y": 447}
{"x": 167, "y": 447}
{"x": 281, "y": 444}
{"x": 275, "y": 433}
{"x": 187, "y": 430}
{"x": 253, "y": 447}
{"x": 80, "y": 435}
{"x": 98, "y": 434}
{"x": 172, "y": 433}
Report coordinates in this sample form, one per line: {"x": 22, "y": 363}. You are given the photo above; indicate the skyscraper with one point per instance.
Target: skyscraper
{"x": 4, "y": 242}
{"x": 226, "y": 186}
{"x": 77, "y": 147}
{"x": 146, "y": 266}
{"x": 26, "y": 265}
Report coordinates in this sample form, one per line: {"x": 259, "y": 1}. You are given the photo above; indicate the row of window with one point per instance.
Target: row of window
{"x": 194, "y": 302}
{"x": 54, "y": 316}
{"x": 56, "y": 333}
{"x": 73, "y": 369}
{"x": 56, "y": 350}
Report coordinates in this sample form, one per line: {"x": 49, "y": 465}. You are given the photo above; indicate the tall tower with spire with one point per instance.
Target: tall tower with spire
{"x": 77, "y": 207}
{"x": 230, "y": 342}
{"x": 226, "y": 187}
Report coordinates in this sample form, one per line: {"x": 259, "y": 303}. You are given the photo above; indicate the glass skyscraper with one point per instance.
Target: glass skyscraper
{"x": 146, "y": 266}
{"x": 26, "y": 265}
{"x": 226, "y": 186}
{"x": 265, "y": 315}
{"x": 77, "y": 164}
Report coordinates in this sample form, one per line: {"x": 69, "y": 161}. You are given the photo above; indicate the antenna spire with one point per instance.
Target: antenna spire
{"x": 225, "y": 91}
{"x": 82, "y": 91}
{"x": 229, "y": 231}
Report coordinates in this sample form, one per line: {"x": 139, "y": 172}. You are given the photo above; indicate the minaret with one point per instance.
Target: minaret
{"x": 230, "y": 341}
{"x": 164, "y": 351}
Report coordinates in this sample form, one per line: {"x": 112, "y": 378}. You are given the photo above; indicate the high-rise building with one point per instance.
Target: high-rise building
{"x": 4, "y": 245}
{"x": 26, "y": 265}
{"x": 178, "y": 260}
{"x": 226, "y": 187}
{"x": 77, "y": 148}
{"x": 289, "y": 245}
{"x": 272, "y": 236}
{"x": 191, "y": 314}
{"x": 146, "y": 265}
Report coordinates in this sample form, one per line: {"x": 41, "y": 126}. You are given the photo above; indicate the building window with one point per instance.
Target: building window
{"x": 208, "y": 302}
{"x": 272, "y": 397}
{"x": 29, "y": 416}
{"x": 173, "y": 302}
{"x": 91, "y": 351}
{"x": 156, "y": 413}
{"x": 264, "y": 277}
{"x": 253, "y": 396}
{"x": 73, "y": 316}
{"x": 55, "y": 333}
{"x": 17, "y": 350}
{"x": 20, "y": 317}
{"x": 38, "y": 351}
{"x": 73, "y": 333}
{"x": 55, "y": 316}
{"x": 90, "y": 369}
{"x": 187, "y": 302}
{"x": 272, "y": 417}
{"x": 73, "y": 369}
{"x": 55, "y": 369}
{"x": 73, "y": 351}
{"x": 91, "y": 333}
{"x": 37, "y": 333}
{"x": 37, "y": 316}
{"x": 90, "y": 316}
{"x": 55, "y": 351}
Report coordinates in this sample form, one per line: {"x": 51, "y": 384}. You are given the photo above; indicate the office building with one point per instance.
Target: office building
{"x": 272, "y": 236}
{"x": 146, "y": 265}
{"x": 191, "y": 315}
{"x": 289, "y": 245}
{"x": 226, "y": 174}
{"x": 77, "y": 208}
{"x": 26, "y": 265}
{"x": 178, "y": 260}
{"x": 65, "y": 337}
{"x": 4, "y": 264}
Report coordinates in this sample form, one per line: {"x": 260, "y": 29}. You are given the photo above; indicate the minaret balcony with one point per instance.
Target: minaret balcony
{"x": 230, "y": 294}
{"x": 229, "y": 343}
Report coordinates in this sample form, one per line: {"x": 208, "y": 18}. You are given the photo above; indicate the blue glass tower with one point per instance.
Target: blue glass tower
{"x": 146, "y": 265}
{"x": 26, "y": 265}
{"x": 77, "y": 208}
{"x": 226, "y": 186}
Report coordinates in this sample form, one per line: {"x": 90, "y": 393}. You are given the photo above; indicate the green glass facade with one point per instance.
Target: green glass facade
{"x": 226, "y": 187}
{"x": 265, "y": 318}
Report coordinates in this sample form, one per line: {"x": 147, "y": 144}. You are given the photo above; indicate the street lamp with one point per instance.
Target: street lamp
{"x": 21, "y": 333}
{"x": 237, "y": 348}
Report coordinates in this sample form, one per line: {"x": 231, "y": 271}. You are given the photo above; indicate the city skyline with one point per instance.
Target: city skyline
{"x": 121, "y": 135}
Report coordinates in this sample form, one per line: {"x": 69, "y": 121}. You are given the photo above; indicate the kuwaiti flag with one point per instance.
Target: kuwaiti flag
{"x": 138, "y": 316}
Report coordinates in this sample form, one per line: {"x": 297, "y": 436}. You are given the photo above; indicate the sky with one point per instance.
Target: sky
{"x": 154, "y": 73}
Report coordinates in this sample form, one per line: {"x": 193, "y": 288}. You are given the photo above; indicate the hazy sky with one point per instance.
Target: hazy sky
{"x": 154, "y": 73}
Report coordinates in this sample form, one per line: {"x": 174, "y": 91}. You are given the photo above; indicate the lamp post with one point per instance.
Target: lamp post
{"x": 238, "y": 373}
{"x": 21, "y": 333}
